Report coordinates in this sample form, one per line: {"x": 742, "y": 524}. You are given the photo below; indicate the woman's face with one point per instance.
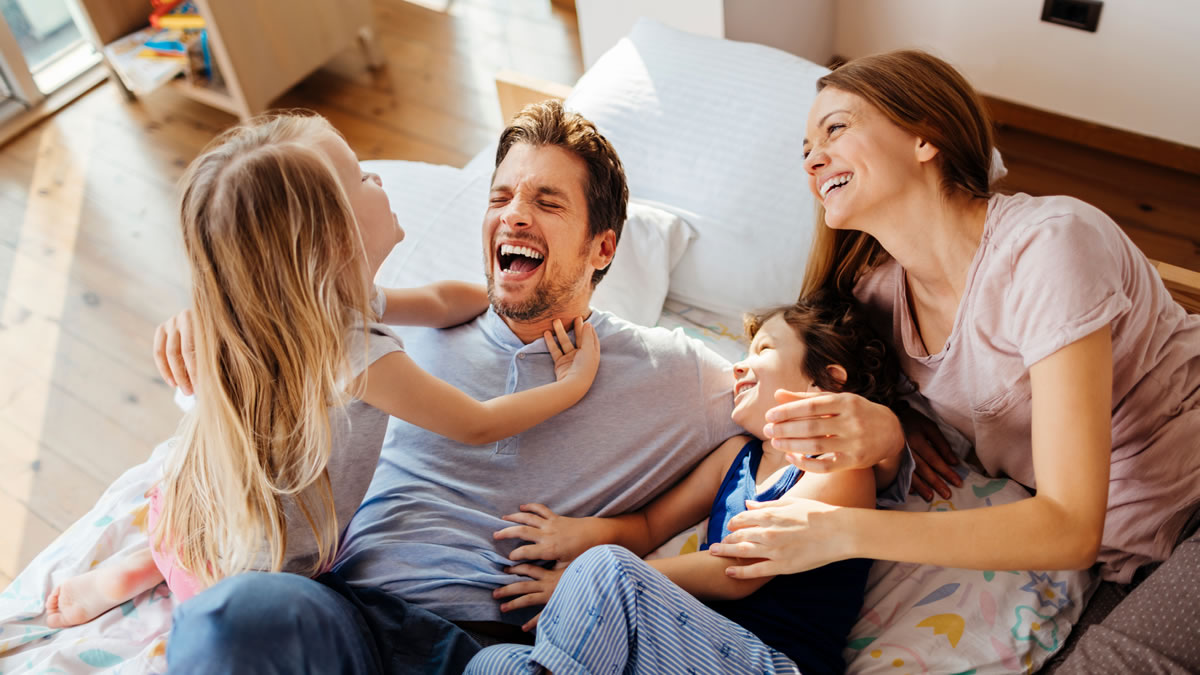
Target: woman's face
{"x": 859, "y": 163}
{"x": 772, "y": 362}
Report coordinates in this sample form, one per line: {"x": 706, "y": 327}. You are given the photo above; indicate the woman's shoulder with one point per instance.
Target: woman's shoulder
{"x": 1013, "y": 217}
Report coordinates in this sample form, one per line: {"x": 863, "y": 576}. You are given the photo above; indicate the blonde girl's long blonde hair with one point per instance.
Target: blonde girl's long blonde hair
{"x": 928, "y": 98}
{"x": 278, "y": 277}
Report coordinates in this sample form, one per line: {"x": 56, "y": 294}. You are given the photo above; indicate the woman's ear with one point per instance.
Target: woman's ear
{"x": 837, "y": 372}
{"x": 925, "y": 150}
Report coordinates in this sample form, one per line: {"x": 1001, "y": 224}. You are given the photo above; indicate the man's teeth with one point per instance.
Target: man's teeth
{"x": 509, "y": 249}
{"x": 834, "y": 182}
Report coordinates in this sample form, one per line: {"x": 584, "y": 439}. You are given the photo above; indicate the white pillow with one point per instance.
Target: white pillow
{"x": 714, "y": 128}
{"x": 442, "y": 208}
{"x": 652, "y": 243}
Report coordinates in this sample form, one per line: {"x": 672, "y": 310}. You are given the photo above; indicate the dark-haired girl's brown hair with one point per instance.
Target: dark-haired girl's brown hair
{"x": 835, "y": 331}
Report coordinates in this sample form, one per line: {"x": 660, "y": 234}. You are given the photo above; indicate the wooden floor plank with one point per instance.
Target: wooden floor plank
{"x": 23, "y": 536}
{"x": 49, "y": 485}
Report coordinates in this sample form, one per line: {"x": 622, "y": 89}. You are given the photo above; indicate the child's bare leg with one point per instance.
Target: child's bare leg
{"x": 85, "y": 597}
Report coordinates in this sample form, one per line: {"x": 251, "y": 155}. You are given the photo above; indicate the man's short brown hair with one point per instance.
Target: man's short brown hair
{"x": 547, "y": 123}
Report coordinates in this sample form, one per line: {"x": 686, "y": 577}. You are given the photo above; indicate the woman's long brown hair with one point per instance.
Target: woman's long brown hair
{"x": 928, "y": 98}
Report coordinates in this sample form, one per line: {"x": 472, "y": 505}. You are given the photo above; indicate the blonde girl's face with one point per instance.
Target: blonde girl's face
{"x": 773, "y": 362}
{"x": 859, "y": 163}
{"x": 378, "y": 226}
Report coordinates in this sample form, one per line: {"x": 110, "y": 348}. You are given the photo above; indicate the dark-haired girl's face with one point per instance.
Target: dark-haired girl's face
{"x": 773, "y": 362}
{"x": 859, "y": 163}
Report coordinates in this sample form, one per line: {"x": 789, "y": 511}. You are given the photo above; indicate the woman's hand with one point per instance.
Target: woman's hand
{"x": 533, "y": 593}
{"x": 789, "y": 535}
{"x": 570, "y": 362}
{"x": 553, "y": 537}
{"x": 824, "y": 431}
{"x": 175, "y": 351}
{"x": 931, "y": 454}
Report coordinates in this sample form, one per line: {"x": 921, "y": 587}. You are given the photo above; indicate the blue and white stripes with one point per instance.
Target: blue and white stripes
{"x": 612, "y": 613}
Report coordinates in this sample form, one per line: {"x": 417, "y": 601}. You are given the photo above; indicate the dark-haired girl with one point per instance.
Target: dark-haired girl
{"x": 610, "y": 611}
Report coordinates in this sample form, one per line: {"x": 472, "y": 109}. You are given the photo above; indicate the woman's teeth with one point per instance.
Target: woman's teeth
{"x": 836, "y": 181}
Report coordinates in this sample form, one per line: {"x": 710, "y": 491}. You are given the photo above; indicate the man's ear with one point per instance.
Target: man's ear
{"x": 925, "y": 150}
{"x": 604, "y": 247}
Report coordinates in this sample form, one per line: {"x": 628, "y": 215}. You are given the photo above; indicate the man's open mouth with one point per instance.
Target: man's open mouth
{"x": 516, "y": 259}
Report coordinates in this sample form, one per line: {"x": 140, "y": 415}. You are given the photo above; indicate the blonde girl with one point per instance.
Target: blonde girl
{"x": 296, "y": 371}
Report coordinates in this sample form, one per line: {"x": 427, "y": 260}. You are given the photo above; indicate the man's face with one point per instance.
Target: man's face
{"x": 538, "y": 254}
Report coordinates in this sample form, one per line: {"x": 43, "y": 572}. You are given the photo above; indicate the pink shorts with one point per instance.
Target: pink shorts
{"x": 182, "y": 584}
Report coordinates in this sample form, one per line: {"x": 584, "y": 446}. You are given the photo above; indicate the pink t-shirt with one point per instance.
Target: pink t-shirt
{"x": 1049, "y": 271}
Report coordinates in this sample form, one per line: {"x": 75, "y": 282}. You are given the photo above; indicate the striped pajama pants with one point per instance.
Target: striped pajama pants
{"x": 613, "y": 613}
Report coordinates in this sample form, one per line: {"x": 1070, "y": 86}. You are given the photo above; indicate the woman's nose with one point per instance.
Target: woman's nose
{"x": 815, "y": 160}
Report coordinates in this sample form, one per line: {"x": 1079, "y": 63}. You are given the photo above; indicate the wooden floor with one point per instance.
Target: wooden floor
{"x": 90, "y": 255}
{"x": 91, "y": 262}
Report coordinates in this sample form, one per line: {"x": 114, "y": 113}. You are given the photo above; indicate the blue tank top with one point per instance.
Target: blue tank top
{"x": 807, "y": 615}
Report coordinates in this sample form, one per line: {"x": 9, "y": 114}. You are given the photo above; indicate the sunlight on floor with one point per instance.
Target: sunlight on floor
{"x": 32, "y": 311}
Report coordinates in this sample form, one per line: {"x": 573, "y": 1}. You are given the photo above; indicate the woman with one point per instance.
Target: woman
{"x": 1032, "y": 325}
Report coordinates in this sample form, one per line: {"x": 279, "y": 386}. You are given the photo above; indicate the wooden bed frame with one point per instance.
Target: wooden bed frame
{"x": 516, "y": 90}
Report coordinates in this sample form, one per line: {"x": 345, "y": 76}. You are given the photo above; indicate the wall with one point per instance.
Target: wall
{"x": 802, "y": 27}
{"x": 1137, "y": 72}
{"x": 603, "y": 22}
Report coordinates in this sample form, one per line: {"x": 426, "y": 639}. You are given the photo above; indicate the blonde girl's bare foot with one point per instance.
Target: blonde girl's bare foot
{"x": 78, "y": 600}
{"x": 85, "y": 597}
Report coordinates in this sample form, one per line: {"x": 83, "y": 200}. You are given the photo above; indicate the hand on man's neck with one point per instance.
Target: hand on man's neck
{"x": 533, "y": 329}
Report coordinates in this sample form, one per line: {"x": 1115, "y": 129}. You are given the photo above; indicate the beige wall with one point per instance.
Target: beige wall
{"x": 802, "y": 27}
{"x": 1140, "y": 71}
{"x": 603, "y": 22}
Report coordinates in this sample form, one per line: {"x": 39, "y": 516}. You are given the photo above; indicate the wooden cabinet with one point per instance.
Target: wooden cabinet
{"x": 261, "y": 47}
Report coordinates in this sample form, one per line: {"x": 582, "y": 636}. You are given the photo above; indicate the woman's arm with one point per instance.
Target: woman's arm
{"x": 555, "y": 537}
{"x": 707, "y": 576}
{"x": 396, "y": 385}
{"x": 438, "y": 305}
{"x": 1059, "y": 528}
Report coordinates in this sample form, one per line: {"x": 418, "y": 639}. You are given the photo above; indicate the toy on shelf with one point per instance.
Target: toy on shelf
{"x": 176, "y": 14}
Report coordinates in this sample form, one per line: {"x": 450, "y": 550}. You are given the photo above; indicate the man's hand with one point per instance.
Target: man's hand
{"x": 931, "y": 454}
{"x": 175, "y": 351}
{"x": 553, "y": 537}
{"x": 533, "y": 593}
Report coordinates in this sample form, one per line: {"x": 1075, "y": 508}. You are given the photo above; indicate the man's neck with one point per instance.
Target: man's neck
{"x": 533, "y": 329}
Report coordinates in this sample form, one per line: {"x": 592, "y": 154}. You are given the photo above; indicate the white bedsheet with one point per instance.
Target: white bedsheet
{"x": 927, "y": 619}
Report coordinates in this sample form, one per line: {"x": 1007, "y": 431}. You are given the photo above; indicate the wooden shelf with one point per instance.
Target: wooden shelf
{"x": 216, "y": 96}
{"x": 261, "y": 47}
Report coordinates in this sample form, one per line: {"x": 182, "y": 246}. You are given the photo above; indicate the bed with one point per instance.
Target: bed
{"x": 709, "y": 131}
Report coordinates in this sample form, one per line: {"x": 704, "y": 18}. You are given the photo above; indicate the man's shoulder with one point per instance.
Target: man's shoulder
{"x": 651, "y": 341}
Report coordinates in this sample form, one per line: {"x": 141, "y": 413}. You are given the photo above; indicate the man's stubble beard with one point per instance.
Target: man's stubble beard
{"x": 548, "y": 297}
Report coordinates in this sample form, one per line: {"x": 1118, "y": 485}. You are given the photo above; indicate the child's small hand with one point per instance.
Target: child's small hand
{"x": 532, "y": 593}
{"x": 574, "y": 361}
{"x": 554, "y": 537}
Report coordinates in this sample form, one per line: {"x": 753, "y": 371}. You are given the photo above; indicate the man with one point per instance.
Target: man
{"x": 420, "y": 546}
